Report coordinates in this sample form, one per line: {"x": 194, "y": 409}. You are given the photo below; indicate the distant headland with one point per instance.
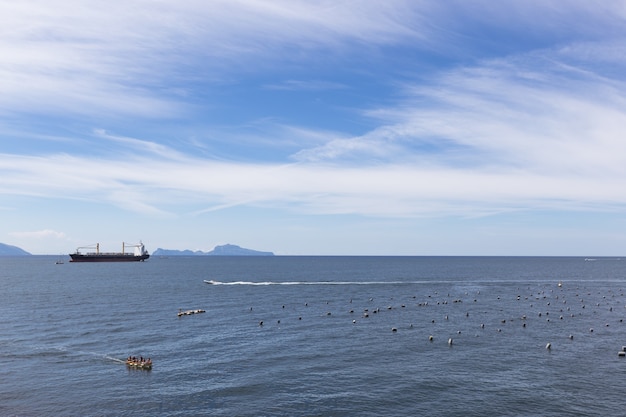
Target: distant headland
{"x": 8, "y": 250}
{"x": 223, "y": 250}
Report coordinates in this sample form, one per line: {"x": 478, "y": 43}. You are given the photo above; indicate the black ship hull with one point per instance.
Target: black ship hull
{"x": 104, "y": 257}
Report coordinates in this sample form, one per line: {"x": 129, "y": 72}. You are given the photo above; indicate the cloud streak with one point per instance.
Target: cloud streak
{"x": 540, "y": 130}
{"x": 39, "y": 234}
{"x": 137, "y": 57}
{"x": 153, "y": 187}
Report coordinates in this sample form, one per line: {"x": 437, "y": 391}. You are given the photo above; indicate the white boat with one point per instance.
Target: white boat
{"x": 210, "y": 281}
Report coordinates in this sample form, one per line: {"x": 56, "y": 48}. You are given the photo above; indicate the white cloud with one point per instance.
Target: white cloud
{"x": 39, "y": 234}
{"x": 156, "y": 186}
{"x": 135, "y": 57}
{"x": 538, "y": 113}
{"x": 308, "y": 85}
{"x": 530, "y": 130}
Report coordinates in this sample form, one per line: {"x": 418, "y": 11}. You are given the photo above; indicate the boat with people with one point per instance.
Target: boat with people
{"x": 139, "y": 253}
{"x": 139, "y": 363}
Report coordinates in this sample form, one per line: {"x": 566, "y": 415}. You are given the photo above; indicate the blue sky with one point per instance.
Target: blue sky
{"x": 315, "y": 127}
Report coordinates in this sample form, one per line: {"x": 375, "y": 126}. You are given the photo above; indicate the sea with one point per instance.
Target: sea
{"x": 314, "y": 336}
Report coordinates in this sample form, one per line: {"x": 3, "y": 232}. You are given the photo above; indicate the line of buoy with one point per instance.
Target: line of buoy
{"x": 547, "y": 316}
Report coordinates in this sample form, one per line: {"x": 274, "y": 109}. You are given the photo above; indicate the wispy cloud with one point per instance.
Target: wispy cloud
{"x": 138, "y": 145}
{"x": 479, "y": 140}
{"x": 80, "y": 58}
{"x": 538, "y": 112}
{"x": 154, "y": 187}
{"x": 301, "y": 85}
{"x": 39, "y": 234}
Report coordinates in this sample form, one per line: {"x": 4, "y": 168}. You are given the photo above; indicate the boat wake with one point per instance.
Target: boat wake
{"x": 69, "y": 352}
{"x": 264, "y": 283}
{"x": 114, "y": 359}
{"x": 414, "y": 282}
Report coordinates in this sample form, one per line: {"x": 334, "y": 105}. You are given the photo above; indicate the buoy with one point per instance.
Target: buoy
{"x": 450, "y": 341}
{"x": 393, "y": 329}
{"x": 430, "y": 338}
{"x": 549, "y": 346}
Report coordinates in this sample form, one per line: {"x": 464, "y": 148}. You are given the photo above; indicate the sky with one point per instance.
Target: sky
{"x": 315, "y": 127}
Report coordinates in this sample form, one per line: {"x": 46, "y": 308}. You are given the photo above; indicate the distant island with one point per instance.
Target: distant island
{"x": 8, "y": 250}
{"x": 223, "y": 250}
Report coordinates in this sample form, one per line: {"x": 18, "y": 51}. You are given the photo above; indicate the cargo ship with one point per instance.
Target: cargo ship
{"x": 139, "y": 253}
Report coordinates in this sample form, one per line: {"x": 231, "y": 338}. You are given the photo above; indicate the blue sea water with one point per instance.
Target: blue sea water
{"x": 340, "y": 336}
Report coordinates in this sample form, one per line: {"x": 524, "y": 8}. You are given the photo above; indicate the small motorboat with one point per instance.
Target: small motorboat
{"x": 210, "y": 281}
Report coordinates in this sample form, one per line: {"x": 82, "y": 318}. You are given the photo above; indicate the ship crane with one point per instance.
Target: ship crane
{"x": 95, "y": 246}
